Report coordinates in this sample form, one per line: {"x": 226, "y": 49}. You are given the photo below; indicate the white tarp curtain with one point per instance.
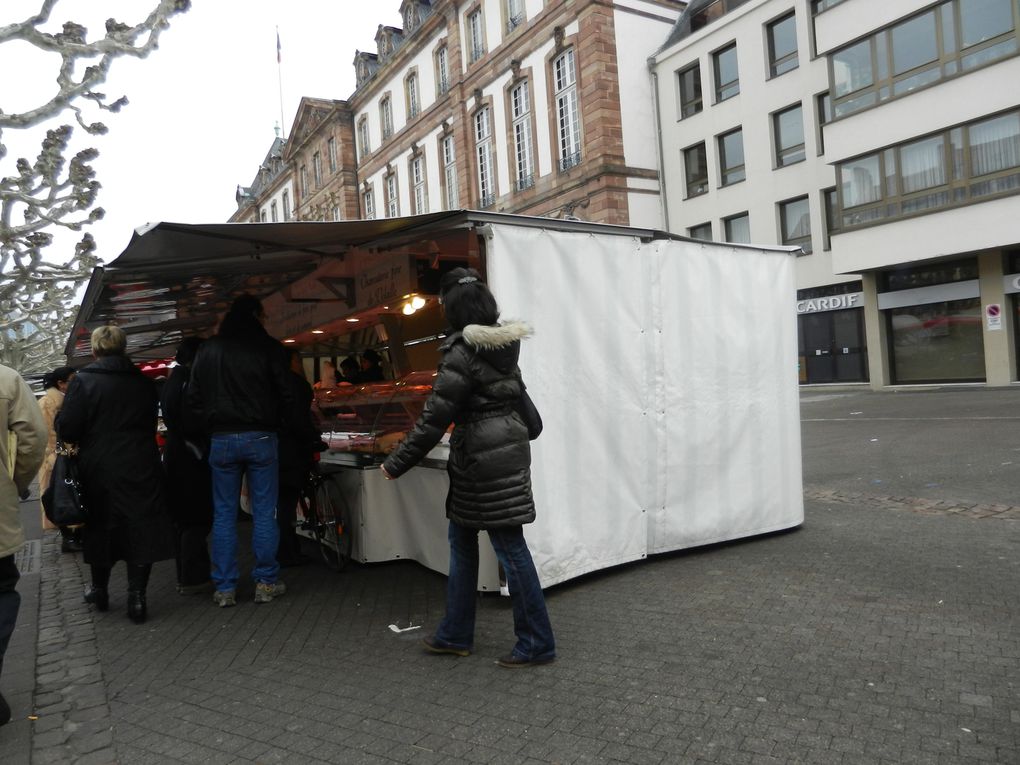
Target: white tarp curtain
{"x": 665, "y": 372}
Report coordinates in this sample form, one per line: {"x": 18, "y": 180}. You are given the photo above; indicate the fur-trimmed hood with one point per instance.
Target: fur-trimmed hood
{"x": 486, "y": 338}
{"x": 500, "y": 344}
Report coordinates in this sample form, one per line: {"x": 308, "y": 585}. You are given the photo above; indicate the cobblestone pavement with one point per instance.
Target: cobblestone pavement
{"x": 870, "y": 635}
{"x": 885, "y": 630}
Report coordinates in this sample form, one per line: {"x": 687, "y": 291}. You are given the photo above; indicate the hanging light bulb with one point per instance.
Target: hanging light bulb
{"x": 408, "y": 309}
{"x": 417, "y": 302}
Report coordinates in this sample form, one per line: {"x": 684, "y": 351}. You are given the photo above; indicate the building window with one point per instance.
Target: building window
{"x": 795, "y": 223}
{"x": 782, "y": 37}
{"x": 476, "y": 36}
{"x": 731, "y": 157}
{"x": 411, "y": 88}
{"x": 368, "y": 202}
{"x": 788, "y": 132}
{"x": 515, "y": 15}
{"x": 817, "y": 6}
{"x": 386, "y": 117}
{"x": 286, "y": 205}
{"x": 272, "y": 211}
{"x": 262, "y": 216}
{"x": 410, "y": 17}
{"x": 303, "y": 180}
{"x": 483, "y": 152}
{"x": 702, "y": 231}
{"x": 696, "y": 170}
{"x": 364, "y": 148}
{"x": 689, "y": 80}
{"x": 392, "y": 200}
{"x": 823, "y": 104}
{"x": 952, "y": 38}
{"x": 450, "y": 173}
{"x": 567, "y": 122}
{"x": 442, "y": 71}
{"x": 331, "y": 154}
{"x": 317, "y": 169}
{"x": 727, "y": 75}
{"x": 737, "y": 228}
{"x": 520, "y": 112}
{"x": 421, "y": 202}
{"x": 831, "y": 204}
{"x": 962, "y": 165}
{"x": 336, "y": 213}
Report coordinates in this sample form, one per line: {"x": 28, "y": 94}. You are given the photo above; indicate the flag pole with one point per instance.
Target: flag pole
{"x": 279, "y": 77}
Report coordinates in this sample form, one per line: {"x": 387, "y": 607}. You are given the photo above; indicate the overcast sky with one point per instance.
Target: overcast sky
{"x": 202, "y": 107}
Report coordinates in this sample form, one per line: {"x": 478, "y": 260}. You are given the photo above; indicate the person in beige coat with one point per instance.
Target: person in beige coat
{"x": 55, "y": 384}
{"x": 22, "y": 446}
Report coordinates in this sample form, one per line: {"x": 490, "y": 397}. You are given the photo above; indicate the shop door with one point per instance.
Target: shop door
{"x": 833, "y": 347}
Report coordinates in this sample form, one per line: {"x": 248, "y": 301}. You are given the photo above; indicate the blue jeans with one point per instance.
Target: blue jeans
{"x": 231, "y": 456}
{"x": 531, "y": 620}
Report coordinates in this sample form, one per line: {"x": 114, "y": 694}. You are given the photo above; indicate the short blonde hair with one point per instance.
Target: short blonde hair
{"x": 108, "y": 340}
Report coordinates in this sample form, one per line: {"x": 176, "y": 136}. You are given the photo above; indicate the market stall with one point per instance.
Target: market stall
{"x": 665, "y": 368}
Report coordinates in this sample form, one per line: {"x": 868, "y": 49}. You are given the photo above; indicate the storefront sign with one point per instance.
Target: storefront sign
{"x": 382, "y": 280}
{"x": 993, "y": 316}
{"x": 831, "y": 303}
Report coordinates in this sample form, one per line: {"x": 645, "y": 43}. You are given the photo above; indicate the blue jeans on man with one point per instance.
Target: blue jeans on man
{"x": 233, "y": 456}
{"x": 535, "y": 641}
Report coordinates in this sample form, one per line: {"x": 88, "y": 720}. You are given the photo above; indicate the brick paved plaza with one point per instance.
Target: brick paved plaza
{"x": 885, "y": 630}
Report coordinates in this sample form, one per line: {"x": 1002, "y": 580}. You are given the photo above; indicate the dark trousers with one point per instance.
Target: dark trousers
{"x": 192, "y": 548}
{"x": 10, "y": 601}
{"x": 138, "y": 576}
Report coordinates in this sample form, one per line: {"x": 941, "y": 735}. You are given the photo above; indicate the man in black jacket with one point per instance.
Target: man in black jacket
{"x": 240, "y": 389}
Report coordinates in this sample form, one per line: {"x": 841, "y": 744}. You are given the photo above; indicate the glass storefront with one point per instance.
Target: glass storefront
{"x": 830, "y": 328}
{"x": 937, "y": 342}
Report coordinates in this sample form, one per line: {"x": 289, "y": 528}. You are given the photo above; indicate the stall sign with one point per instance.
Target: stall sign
{"x": 384, "y": 279}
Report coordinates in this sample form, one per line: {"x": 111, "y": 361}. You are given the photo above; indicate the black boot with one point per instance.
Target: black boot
{"x": 137, "y": 610}
{"x": 70, "y": 540}
{"x": 99, "y": 597}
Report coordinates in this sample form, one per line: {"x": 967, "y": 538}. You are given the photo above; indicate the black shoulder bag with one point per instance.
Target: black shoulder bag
{"x": 62, "y": 501}
{"x": 526, "y": 408}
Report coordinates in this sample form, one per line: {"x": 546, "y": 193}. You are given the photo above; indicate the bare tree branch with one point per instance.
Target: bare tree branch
{"x": 53, "y": 192}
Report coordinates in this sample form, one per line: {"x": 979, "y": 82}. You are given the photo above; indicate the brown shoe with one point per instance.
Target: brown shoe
{"x": 433, "y": 646}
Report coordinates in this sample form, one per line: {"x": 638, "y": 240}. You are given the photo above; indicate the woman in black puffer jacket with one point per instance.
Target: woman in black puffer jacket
{"x": 477, "y": 388}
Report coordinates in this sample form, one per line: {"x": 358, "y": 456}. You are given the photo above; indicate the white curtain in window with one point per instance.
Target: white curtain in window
{"x": 862, "y": 182}
{"x": 995, "y": 145}
{"x": 923, "y": 165}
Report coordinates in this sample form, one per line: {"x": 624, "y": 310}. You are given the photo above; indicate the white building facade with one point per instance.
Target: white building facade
{"x": 884, "y": 138}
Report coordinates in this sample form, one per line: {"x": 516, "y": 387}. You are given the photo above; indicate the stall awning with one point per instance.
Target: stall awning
{"x": 174, "y": 280}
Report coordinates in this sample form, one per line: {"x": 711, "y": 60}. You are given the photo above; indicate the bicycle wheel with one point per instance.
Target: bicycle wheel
{"x": 331, "y": 525}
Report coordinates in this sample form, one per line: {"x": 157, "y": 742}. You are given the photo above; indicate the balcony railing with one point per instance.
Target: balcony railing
{"x": 571, "y": 160}
{"x": 525, "y": 182}
{"x": 513, "y": 22}
{"x": 487, "y": 201}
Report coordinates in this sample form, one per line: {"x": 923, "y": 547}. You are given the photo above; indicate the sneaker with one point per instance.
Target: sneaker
{"x": 224, "y": 599}
{"x": 513, "y": 661}
{"x": 265, "y": 593}
{"x": 434, "y": 646}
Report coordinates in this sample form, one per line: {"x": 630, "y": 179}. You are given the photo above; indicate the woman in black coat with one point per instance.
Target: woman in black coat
{"x": 110, "y": 414}
{"x": 478, "y": 388}
{"x": 189, "y": 480}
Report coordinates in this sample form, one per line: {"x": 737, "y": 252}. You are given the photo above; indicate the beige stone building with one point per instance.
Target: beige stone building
{"x": 541, "y": 107}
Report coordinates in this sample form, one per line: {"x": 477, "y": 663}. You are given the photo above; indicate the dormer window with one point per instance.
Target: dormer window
{"x": 410, "y": 17}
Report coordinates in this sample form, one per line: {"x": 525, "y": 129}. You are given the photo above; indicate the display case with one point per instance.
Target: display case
{"x": 363, "y": 423}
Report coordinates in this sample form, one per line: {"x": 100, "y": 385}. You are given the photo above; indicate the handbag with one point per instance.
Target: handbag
{"x": 62, "y": 501}
{"x": 526, "y": 408}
